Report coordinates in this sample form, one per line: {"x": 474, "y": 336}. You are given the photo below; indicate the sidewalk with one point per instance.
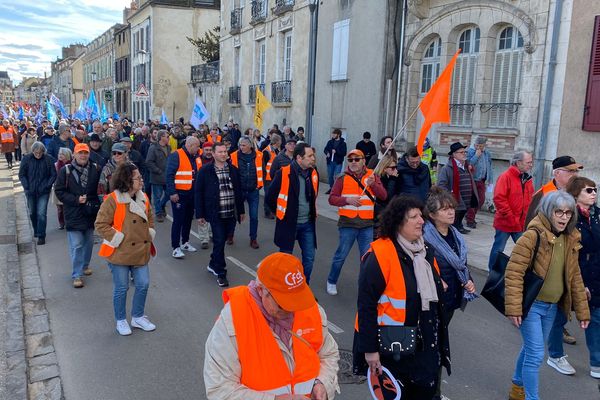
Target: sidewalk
{"x": 479, "y": 241}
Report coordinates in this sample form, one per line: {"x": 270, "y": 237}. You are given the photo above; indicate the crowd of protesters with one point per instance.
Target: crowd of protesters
{"x": 407, "y": 214}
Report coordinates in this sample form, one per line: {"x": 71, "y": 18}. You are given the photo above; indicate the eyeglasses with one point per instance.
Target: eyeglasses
{"x": 392, "y": 166}
{"x": 591, "y": 190}
{"x": 354, "y": 159}
{"x": 569, "y": 171}
{"x": 563, "y": 213}
{"x": 117, "y": 153}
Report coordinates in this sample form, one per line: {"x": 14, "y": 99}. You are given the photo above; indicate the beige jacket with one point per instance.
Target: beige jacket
{"x": 222, "y": 369}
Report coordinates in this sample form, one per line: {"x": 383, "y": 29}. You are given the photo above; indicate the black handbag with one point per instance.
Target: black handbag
{"x": 494, "y": 289}
{"x": 397, "y": 341}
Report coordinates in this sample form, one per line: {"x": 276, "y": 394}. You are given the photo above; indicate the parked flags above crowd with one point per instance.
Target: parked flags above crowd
{"x": 21, "y": 113}
{"x": 51, "y": 114}
{"x": 55, "y": 101}
{"x": 115, "y": 116}
{"x": 436, "y": 103}
{"x": 199, "y": 114}
{"x": 262, "y": 105}
{"x": 104, "y": 115}
{"x": 163, "y": 117}
{"x": 39, "y": 117}
{"x": 80, "y": 113}
{"x": 92, "y": 106}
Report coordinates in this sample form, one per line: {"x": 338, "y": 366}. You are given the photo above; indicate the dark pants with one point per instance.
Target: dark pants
{"x": 60, "y": 210}
{"x": 8, "y": 157}
{"x": 458, "y": 218}
{"x": 411, "y": 391}
{"x": 220, "y": 229}
{"x": 183, "y": 214}
{"x": 265, "y": 206}
{"x": 18, "y": 154}
{"x": 38, "y": 209}
{"x": 480, "y": 185}
{"x": 148, "y": 186}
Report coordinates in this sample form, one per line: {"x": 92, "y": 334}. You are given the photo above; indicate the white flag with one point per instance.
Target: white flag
{"x": 199, "y": 114}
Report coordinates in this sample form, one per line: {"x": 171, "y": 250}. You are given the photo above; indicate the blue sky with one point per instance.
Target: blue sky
{"x": 33, "y": 32}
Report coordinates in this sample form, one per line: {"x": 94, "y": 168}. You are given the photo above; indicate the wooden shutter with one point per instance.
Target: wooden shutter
{"x": 339, "y": 60}
{"x": 463, "y": 89}
{"x": 591, "y": 113}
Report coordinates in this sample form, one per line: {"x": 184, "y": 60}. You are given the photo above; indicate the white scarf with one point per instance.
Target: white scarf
{"x": 425, "y": 283}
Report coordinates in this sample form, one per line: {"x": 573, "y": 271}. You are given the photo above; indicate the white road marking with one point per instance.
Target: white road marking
{"x": 332, "y": 327}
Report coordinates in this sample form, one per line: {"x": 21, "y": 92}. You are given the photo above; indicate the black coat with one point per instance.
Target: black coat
{"x": 589, "y": 254}
{"x": 207, "y": 193}
{"x": 285, "y": 229}
{"x": 416, "y": 182}
{"x": 37, "y": 176}
{"x": 156, "y": 163}
{"x": 78, "y": 217}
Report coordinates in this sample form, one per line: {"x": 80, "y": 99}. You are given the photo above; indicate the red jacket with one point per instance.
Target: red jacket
{"x": 512, "y": 198}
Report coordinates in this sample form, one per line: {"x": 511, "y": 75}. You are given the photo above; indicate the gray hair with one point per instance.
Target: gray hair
{"x": 137, "y": 131}
{"x": 97, "y": 123}
{"x": 191, "y": 140}
{"x": 62, "y": 127}
{"x": 519, "y": 156}
{"x": 37, "y": 146}
{"x": 480, "y": 140}
{"x": 245, "y": 139}
{"x": 558, "y": 199}
{"x": 66, "y": 152}
{"x": 276, "y": 139}
{"x": 161, "y": 133}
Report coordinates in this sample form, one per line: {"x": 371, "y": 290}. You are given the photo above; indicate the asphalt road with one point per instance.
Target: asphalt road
{"x": 184, "y": 301}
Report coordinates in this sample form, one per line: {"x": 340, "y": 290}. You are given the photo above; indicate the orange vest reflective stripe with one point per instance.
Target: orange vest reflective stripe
{"x": 184, "y": 177}
{"x": 272, "y": 156}
{"x": 7, "y": 135}
{"x": 209, "y": 138}
{"x": 351, "y": 189}
{"x": 263, "y": 366}
{"x": 106, "y": 249}
{"x": 391, "y": 308}
{"x": 258, "y": 162}
{"x": 282, "y": 198}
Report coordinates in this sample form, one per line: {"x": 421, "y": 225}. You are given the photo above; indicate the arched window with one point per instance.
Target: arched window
{"x": 463, "y": 85}
{"x": 430, "y": 65}
{"x": 507, "y": 79}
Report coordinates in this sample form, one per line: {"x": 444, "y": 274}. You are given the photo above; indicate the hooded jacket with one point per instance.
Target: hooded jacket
{"x": 512, "y": 196}
{"x": 413, "y": 181}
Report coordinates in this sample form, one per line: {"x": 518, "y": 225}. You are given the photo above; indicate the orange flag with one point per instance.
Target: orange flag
{"x": 436, "y": 103}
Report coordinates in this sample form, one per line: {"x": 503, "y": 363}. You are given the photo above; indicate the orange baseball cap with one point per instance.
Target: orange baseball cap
{"x": 79, "y": 147}
{"x": 282, "y": 274}
{"x": 357, "y": 153}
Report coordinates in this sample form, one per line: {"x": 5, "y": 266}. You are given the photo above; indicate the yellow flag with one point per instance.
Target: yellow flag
{"x": 261, "y": 105}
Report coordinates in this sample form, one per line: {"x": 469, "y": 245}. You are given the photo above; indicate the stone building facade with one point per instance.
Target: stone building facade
{"x": 6, "y": 88}
{"x": 265, "y": 43}
{"x": 122, "y": 95}
{"x": 61, "y": 74}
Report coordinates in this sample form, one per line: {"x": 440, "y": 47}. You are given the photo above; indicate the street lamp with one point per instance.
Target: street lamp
{"x": 313, "y": 6}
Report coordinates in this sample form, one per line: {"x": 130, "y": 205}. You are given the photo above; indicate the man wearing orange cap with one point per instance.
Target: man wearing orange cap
{"x": 271, "y": 340}
{"x": 77, "y": 188}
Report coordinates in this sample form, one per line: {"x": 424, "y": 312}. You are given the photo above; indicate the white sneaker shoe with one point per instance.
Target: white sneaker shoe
{"x": 143, "y": 323}
{"x": 331, "y": 289}
{"x": 188, "y": 247}
{"x": 561, "y": 365}
{"x": 595, "y": 372}
{"x": 178, "y": 253}
{"x": 123, "y": 328}
{"x": 212, "y": 271}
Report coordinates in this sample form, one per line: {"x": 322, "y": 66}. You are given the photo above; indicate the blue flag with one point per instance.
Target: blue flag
{"x": 51, "y": 114}
{"x": 39, "y": 117}
{"x": 80, "y": 113}
{"x": 21, "y": 113}
{"x": 92, "y": 106}
{"x": 163, "y": 117}
{"x": 115, "y": 116}
{"x": 199, "y": 114}
{"x": 104, "y": 115}
{"x": 58, "y": 104}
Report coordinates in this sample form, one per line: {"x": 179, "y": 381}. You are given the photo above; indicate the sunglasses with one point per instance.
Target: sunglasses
{"x": 116, "y": 153}
{"x": 354, "y": 159}
{"x": 591, "y": 190}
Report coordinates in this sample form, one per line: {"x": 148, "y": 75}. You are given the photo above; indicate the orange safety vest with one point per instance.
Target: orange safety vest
{"x": 7, "y": 135}
{"x": 199, "y": 160}
{"x": 184, "y": 177}
{"x": 272, "y": 156}
{"x": 258, "y": 162}
{"x": 106, "y": 250}
{"x": 210, "y": 139}
{"x": 351, "y": 189}
{"x": 391, "y": 307}
{"x": 282, "y": 198}
{"x": 263, "y": 367}
{"x": 75, "y": 140}
{"x": 547, "y": 188}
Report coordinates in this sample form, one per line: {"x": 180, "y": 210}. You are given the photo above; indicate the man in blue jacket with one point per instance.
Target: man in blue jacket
{"x": 220, "y": 203}
{"x": 481, "y": 160}
{"x": 413, "y": 175}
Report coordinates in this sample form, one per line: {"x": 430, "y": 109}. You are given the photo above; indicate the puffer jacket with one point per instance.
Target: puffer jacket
{"x": 37, "y": 175}
{"x": 512, "y": 196}
{"x": 574, "y": 295}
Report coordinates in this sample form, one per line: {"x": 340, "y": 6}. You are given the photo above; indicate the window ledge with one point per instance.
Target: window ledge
{"x": 288, "y": 104}
{"x": 338, "y": 80}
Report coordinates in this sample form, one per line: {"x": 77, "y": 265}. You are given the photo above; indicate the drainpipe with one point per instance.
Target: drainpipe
{"x": 312, "y": 58}
{"x": 540, "y": 150}
{"x": 400, "y": 68}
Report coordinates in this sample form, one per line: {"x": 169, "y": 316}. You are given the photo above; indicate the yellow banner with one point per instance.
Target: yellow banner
{"x": 261, "y": 105}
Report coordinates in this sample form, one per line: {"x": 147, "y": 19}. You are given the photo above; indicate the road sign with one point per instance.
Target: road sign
{"x": 142, "y": 93}
{"x": 108, "y": 95}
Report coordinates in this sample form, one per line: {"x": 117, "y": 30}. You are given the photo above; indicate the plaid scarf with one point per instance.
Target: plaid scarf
{"x": 81, "y": 174}
{"x": 226, "y": 194}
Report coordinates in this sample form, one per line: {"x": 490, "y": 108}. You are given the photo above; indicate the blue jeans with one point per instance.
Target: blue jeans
{"x": 305, "y": 235}
{"x": 333, "y": 170}
{"x": 592, "y": 337}
{"x": 81, "y": 244}
{"x": 220, "y": 229}
{"x": 183, "y": 214}
{"x": 363, "y": 237}
{"x": 555, "y": 339}
{"x": 160, "y": 198}
{"x": 500, "y": 240}
{"x": 38, "y": 208}
{"x": 535, "y": 329}
{"x": 252, "y": 198}
{"x": 141, "y": 280}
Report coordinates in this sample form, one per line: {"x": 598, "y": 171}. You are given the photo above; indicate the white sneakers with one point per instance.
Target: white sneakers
{"x": 178, "y": 253}
{"x": 331, "y": 289}
{"x": 595, "y": 372}
{"x": 143, "y": 323}
{"x": 188, "y": 247}
{"x": 561, "y": 365}
{"x": 123, "y": 328}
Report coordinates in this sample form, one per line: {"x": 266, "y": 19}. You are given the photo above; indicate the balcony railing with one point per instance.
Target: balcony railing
{"x": 252, "y": 92}
{"x": 281, "y": 92}
{"x": 259, "y": 11}
{"x": 282, "y": 6}
{"x": 208, "y": 72}
{"x": 501, "y": 115}
{"x": 235, "y": 95}
{"x": 236, "y": 21}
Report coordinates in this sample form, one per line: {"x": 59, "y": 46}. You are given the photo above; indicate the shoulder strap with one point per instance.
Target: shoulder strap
{"x": 535, "y": 250}
{"x": 361, "y": 186}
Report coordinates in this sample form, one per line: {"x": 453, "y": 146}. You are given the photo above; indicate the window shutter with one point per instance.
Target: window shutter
{"x": 339, "y": 60}
{"x": 591, "y": 114}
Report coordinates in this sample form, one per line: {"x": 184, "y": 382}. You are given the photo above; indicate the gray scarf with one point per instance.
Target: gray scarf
{"x": 82, "y": 174}
{"x": 425, "y": 283}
